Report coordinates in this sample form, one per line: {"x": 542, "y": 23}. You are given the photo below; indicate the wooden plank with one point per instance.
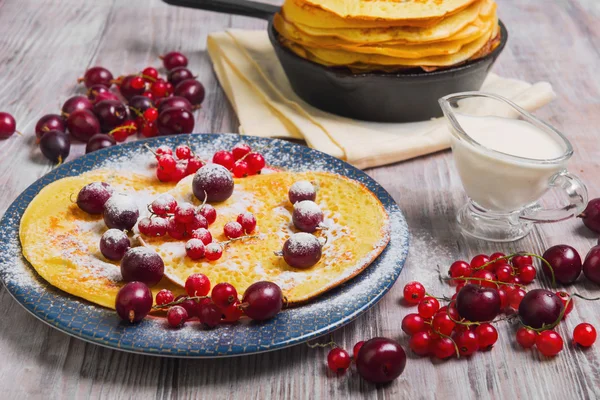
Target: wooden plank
{"x": 45, "y": 45}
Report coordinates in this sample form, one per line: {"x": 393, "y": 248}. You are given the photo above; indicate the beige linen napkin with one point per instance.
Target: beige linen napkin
{"x": 266, "y": 105}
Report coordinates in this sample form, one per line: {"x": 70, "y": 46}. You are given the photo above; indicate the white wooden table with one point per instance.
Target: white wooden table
{"x": 46, "y": 44}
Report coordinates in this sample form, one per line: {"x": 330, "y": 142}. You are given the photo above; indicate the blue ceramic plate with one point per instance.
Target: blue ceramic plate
{"x": 101, "y": 326}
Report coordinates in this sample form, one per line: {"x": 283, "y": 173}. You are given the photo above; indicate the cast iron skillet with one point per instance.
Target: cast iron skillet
{"x": 383, "y": 97}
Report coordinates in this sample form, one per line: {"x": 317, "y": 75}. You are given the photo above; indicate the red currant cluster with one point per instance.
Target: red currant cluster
{"x": 486, "y": 287}
{"x": 178, "y": 220}
{"x": 241, "y": 160}
{"x": 145, "y": 103}
{"x": 261, "y": 301}
{"x": 171, "y": 169}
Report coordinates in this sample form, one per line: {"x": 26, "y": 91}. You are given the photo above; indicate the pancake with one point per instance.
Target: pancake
{"x": 61, "y": 241}
{"x": 331, "y": 57}
{"x": 412, "y": 51}
{"x": 356, "y": 235}
{"x": 391, "y": 9}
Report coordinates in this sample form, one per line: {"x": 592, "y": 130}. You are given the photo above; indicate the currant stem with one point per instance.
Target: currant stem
{"x": 443, "y": 298}
{"x": 470, "y": 278}
{"x": 452, "y": 340}
{"x": 150, "y": 149}
{"x": 226, "y": 242}
{"x": 179, "y": 301}
{"x": 585, "y": 298}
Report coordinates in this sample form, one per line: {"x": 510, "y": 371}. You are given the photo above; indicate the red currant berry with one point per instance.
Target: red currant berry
{"x": 194, "y": 248}
{"x": 233, "y": 230}
{"x": 526, "y": 337}
{"x": 443, "y": 348}
{"x": 175, "y": 229}
{"x": 144, "y": 226}
{"x": 159, "y": 89}
{"x": 176, "y": 316}
{"x": 197, "y": 285}
{"x": 504, "y": 273}
{"x": 338, "y": 360}
{"x": 183, "y": 152}
{"x": 516, "y": 280}
{"x": 164, "y": 149}
{"x": 224, "y": 295}
{"x": 148, "y": 129}
{"x": 357, "y": 348}
{"x": 442, "y": 323}
{"x": 459, "y": 269}
{"x": 414, "y": 292}
{"x": 527, "y": 274}
{"x": 189, "y": 305}
{"x": 485, "y": 278}
{"x": 240, "y": 169}
{"x": 460, "y": 286}
{"x": 232, "y": 313}
{"x": 584, "y": 335}
{"x": 520, "y": 261}
{"x": 148, "y": 95}
{"x": 151, "y": 114}
{"x": 479, "y": 260}
{"x": 224, "y": 158}
{"x": 413, "y": 323}
{"x": 240, "y": 150}
{"x": 565, "y": 297}
{"x": 150, "y": 74}
{"x": 428, "y": 307}
{"x": 496, "y": 256}
{"x": 164, "y": 176}
{"x": 420, "y": 343}
{"x": 174, "y": 59}
{"x": 209, "y": 314}
{"x": 256, "y": 162}
{"x": 164, "y": 296}
{"x": 515, "y": 297}
{"x": 214, "y": 251}
{"x": 164, "y": 204}
{"x": 247, "y": 221}
{"x": 504, "y": 303}
{"x": 197, "y": 222}
{"x": 137, "y": 82}
{"x": 194, "y": 164}
{"x": 453, "y": 312}
{"x": 203, "y": 234}
{"x": 549, "y": 343}
{"x": 208, "y": 212}
{"x": 467, "y": 343}
{"x": 184, "y": 212}
{"x": 487, "y": 334}
{"x": 170, "y": 89}
{"x": 167, "y": 163}
{"x": 120, "y": 135}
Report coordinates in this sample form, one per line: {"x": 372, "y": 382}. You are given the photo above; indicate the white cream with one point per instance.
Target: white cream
{"x": 495, "y": 181}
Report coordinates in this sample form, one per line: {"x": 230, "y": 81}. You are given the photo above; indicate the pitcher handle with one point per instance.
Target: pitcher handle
{"x": 576, "y": 192}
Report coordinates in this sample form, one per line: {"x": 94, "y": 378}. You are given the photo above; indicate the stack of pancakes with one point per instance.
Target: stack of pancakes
{"x": 389, "y": 35}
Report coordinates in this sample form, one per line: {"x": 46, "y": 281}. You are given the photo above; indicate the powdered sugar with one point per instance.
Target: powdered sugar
{"x": 120, "y": 203}
{"x": 307, "y": 208}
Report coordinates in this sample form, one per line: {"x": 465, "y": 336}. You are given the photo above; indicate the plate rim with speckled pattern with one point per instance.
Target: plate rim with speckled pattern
{"x": 40, "y": 300}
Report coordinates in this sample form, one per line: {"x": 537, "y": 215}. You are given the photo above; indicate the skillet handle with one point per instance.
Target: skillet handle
{"x": 238, "y": 7}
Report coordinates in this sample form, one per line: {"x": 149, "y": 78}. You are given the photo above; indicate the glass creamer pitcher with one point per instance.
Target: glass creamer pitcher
{"x": 507, "y": 160}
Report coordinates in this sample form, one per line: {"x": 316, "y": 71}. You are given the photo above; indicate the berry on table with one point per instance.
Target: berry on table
{"x": 421, "y": 343}
{"x": 99, "y": 141}
{"x": 460, "y": 269}
{"x": 479, "y": 260}
{"x": 487, "y": 334}
{"x": 164, "y": 204}
{"x": 567, "y": 301}
{"x": 467, "y": 343}
{"x": 184, "y": 212}
{"x": 443, "y": 324}
{"x": 584, "y": 335}
{"x": 173, "y": 121}
{"x": 49, "y": 122}
{"x": 97, "y": 76}
{"x": 413, "y": 323}
{"x": 414, "y": 292}
{"x": 150, "y": 74}
{"x": 526, "y": 337}
{"x": 179, "y": 74}
{"x": 338, "y": 360}
{"x": 173, "y": 60}
{"x": 357, "y": 348}
{"x": 192, "y": 90}
{"x": 428, "y": 307}
{"x": 232, "y": 313}
{"x": 203, "y": 234}
{"x": 208, "y": 212}
{"x": 549, "y": 343}
{"x": 256, "y": 162}
{"x": 164, "y": 149}
{"x": 240, "y": 169}
{"x": 443, "y": 348}
{"x": 151, "y": 114}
